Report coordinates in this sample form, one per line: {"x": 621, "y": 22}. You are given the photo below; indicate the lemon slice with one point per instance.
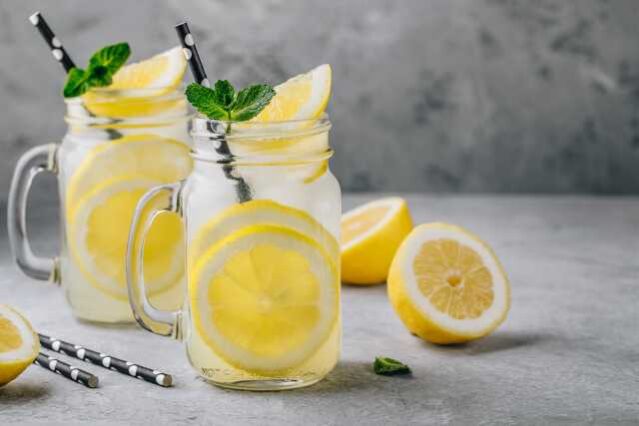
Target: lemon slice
{"x": 144, "y": 154}
{"x": 262, "y": 212}
{"x": 447, "y": 285}
{"x": 19, "y": 345}
{"x": 371, "y": 235}
{"x": 98, "y": 234}
{"x": 163, "y": 71}
{"x": 303, "y": 97}
{"x": 146, "y": 80}
{"x": 265, "y": 298}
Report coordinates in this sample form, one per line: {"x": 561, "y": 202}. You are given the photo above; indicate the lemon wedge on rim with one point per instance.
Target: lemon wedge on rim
{"x": 136, "y": 87}
{"x": 302, "y": 97}
{"x": 447, "y": 285}
{"x": 162, "y": 71}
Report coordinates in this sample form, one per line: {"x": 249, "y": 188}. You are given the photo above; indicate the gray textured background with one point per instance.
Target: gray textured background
{"x": 429, "y": 95}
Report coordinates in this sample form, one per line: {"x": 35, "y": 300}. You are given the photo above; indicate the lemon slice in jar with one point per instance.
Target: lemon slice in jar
{"x": 265, "y": 298}
{"x": 168, "y": 160}
{"x": 98, "y": 235}
{"x": 262, "y": 212}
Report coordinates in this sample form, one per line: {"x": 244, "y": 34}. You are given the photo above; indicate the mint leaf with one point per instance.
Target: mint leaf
{"x": 224, "y": 94}
{"x": 77, "y": 83}
{"x": 388, "y": 366}
{"x": 102, "y": 66}
{"x": 251, "y": 101}
{"x": 222, "y": 103}
{"x": 108, "y": 60}
{"x": 100, "y": 77}
{"x": 204, "y": 100}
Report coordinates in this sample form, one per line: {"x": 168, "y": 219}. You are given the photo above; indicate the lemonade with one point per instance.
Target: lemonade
{"x": 101, "y": 180}
{"x": 262, "y": 310}
{"x": 285, "y": 199}
{"x": 121, "y": 140}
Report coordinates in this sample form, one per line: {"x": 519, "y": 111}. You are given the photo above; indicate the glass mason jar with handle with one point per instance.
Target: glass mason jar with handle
{"x": 261, "y": 212}
{"x": 118, "y": 145}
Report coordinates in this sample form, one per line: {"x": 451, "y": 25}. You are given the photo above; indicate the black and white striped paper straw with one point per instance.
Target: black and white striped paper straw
{"x": 66, "y": 370}
{"x": 106, "y": 361}
{"x": 192, "y": 56}
{"x": 57, "y": 50}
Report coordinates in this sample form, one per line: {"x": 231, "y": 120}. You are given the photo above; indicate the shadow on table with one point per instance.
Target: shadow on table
{"x": 347, "y": 376}
{"x": 22, "y": 393}
{"x": 498, "y": 342}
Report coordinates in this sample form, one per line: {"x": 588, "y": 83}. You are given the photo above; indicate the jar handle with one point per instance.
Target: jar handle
{"x": 158, "y": 200}
{"x": 36, "y": 160}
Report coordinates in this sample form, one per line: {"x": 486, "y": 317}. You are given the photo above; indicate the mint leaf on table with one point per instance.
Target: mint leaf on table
{"x": 388, "y": 366}
{"x": 222, "y": 102}
{"x": 102, "y": 66}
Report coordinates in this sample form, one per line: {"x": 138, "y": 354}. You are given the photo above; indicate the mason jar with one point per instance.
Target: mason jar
{"x": 261, "y": 212}
{"x": 119, "y": 143}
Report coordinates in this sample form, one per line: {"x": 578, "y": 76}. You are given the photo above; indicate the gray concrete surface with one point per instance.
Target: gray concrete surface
{"x": 429, "y": 95}
{"x": 567, "y": 354}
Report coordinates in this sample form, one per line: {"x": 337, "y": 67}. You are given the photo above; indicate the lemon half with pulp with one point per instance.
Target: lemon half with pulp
{"x": 447, "y": 285}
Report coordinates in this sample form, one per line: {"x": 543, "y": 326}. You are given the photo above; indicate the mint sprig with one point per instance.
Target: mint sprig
{"x": 388, "y": 366}
{"x": 99, "y": 73}
{"x": 223, "y": 103}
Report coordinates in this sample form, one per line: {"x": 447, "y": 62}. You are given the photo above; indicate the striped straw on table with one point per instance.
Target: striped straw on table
{"x": 106, "y": 361}
{"x": 57, "y": 50}
{"x": 66, "y": 370}
{"x": 242, "y": 190}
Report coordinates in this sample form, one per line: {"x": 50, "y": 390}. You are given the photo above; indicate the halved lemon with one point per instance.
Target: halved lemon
{"x": 98, "y": 235}
{"x": 144, "y": 154}
{"x": 303, "y": 97}
{"x": 371, "y": 234}
{"x": 151, "y": 78}
{"x": 265, "y": 298}
{"x": 447, "y": 285}
{"x": 19, "y": 345}
{"x": 260, "y": 212}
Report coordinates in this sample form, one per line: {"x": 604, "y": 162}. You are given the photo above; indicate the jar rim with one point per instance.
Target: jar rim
{"x": 257, "y": 141}
{"x": 203, "y": 127}
{"x": 107, "y": 94}
{"x": 157, "y": 106}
